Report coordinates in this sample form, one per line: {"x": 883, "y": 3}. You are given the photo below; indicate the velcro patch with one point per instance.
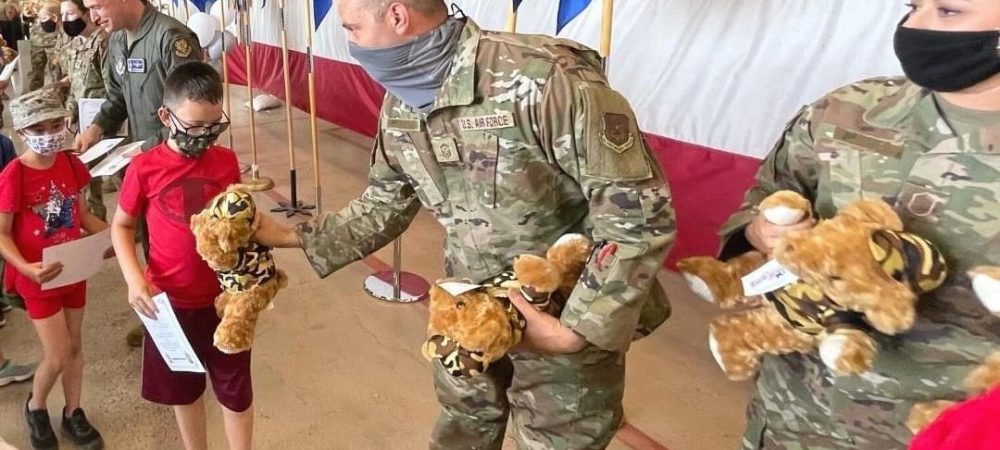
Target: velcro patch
{"x": 488, "y": 122}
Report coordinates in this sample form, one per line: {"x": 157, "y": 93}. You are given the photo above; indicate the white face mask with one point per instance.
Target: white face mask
{"x": 46, "y": 144}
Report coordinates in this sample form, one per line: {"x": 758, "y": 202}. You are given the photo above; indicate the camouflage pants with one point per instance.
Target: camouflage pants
{"x": 798, "y": 405}
{"x": 39, "y": 65}
{"x": 43, "y": 62}
{"x": 557, "y": 402}
{"x": 95, "y": 198}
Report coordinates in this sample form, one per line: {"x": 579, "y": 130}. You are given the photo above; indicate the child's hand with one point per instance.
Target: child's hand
{"x": 43, "y": 274}
{"x": 140, "y": 298}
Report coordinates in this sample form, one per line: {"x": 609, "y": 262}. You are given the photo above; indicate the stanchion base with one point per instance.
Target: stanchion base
{"x": 244, "y": 168}
{"x": 289, "y": 210}
{"x": 259, "y": 184}
{"x": 412, "y": 287}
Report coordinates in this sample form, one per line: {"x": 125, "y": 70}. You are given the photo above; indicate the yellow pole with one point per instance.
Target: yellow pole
{"x": 288, "y": 88}
{"x": 511, "y": 19}
{"x": 312, "y": 107}
{"x": 256, "y": 183}
{"x": 294, "y": 206}
{"x": 606, "y": 18}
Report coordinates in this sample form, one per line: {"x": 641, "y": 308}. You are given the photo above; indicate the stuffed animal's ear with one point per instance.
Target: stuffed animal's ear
{"x": 570, "y": 250}
{"x": 986, "y": 284}
{"x": 537, "y": 272}
{"x": 874, "y": 213}
{"x": 785, "y": 208}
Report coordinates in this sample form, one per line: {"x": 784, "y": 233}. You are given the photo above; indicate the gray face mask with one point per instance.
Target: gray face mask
{"x": 414, "y": 70}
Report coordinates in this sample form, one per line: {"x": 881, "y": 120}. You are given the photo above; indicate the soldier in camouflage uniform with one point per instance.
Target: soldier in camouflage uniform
{"x": 83, "y": 63}
{"x": 518, "y": 142}
{"x": 927, "y": 145}
{"x": 44, "y": 37}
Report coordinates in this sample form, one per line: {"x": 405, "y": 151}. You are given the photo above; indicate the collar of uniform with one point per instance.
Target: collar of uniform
{"x": 899, "y": 107}
{"x": 94, "y": 38}
{"x": 459, "y": 87}
{"x": 145, "y": 24}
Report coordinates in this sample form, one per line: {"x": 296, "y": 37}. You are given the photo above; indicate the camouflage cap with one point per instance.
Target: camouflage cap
{"x": 37, "y": 106}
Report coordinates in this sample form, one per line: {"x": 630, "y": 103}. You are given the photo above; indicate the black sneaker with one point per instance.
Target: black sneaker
{"x": 77, "y": 429}
{"x": 40, "y": 432}
{"x": 3, "y": 320}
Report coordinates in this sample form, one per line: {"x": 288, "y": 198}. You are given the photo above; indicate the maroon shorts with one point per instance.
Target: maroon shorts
{"x": 230, "y": 374}
{"x": 46, "y": 305}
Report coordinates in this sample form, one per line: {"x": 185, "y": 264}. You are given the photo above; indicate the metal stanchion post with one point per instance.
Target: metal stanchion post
{"x": 397, "y": 286}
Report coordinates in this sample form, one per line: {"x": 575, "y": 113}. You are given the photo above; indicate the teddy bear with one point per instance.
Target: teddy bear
{"x": 852, "y": 274}
{"x": 985, "y": 282}
{"x": 474, "y": 325}
{"x": 245, "y": 269}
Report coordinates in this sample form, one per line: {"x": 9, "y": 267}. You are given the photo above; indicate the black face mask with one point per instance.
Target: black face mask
{"x": 194, "y": 145}
{"x": 947, "y": 61}
{"x": 73, "y": 28}
{"x": 48, "y": 26}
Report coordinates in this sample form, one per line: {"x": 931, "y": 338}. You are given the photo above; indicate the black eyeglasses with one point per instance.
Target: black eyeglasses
{"x": 201, "y": 130}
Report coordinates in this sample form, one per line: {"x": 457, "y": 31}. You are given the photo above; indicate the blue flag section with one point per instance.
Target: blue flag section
{"x": 568, "y": 10}
{"x": 202, "y": 5}
{"x": 517, "y": 3}
{"x": 320, "y": 10}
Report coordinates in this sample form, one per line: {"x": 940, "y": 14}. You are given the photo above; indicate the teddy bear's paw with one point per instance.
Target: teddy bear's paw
{"x": 923, "y": 414}
{"x": 987, "y": 288}
{"x": 230, "y": 341}
{"x": 699, "y": 287}
{"x": 847, "y": 352}
{"x": 784, "y": 215}
{"x": 986, "y": 376}
{"x": 733, "y": 369}
{"x": 571, "y": 238}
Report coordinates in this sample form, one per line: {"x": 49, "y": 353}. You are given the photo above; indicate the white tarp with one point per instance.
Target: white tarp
{"x": 725, "y": 74}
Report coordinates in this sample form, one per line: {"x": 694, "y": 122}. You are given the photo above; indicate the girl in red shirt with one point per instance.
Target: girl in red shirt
{"x": 40, "y": 206}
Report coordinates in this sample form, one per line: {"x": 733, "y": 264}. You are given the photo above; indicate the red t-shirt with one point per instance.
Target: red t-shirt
{"x": 46, "y": 209}
{"x": 168, "y": 188}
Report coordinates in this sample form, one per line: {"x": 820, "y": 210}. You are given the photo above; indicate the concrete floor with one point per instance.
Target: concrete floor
{"x": 334, "y": 369}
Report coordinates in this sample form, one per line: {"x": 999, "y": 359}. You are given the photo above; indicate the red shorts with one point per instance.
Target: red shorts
{"x": 230, "y": 374}
{"x": 47, "y": 305}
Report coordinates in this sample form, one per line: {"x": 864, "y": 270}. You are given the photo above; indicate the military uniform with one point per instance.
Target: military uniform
{"x": 44, "y": 58}
{"x": 525, "y": 142}
{"x": 83, "y": 61}
{"x": 939, "y": 166}
{"x": 134, "y": 74}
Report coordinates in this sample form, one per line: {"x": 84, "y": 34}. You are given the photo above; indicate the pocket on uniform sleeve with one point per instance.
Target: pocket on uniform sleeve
{"x": 615, "y": 149}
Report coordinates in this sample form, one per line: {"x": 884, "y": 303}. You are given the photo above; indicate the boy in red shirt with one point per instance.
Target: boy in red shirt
{"x": 168, "y": 184}
{"x": 40, "y": 206}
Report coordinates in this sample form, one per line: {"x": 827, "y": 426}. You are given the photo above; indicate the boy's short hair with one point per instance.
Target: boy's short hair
{"x": 36, "y": 107}
{"x": 194, "y": 81}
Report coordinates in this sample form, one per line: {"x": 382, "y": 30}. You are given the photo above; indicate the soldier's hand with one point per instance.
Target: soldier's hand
{"x": 90, "y": 136}
{"x": 270, "y": 233}
{"x": 764, "y": 235}
{"x": 544, "y": 333}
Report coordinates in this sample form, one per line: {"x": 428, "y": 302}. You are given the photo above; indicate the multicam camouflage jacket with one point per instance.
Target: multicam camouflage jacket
{"x": 939, "y": 165}
{"x": 525, "y": 142}
{"x": 83, "y": 61}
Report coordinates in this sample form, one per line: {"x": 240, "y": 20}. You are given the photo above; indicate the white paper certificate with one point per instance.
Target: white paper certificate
{"x": 8, "y": 70}
{"x": 87, "y": 109}
{"x": 81, "y": 259}
{"x": 169, "y": 338}
{"x": 99, "y": 149}
{"x": 117, "y": 160}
